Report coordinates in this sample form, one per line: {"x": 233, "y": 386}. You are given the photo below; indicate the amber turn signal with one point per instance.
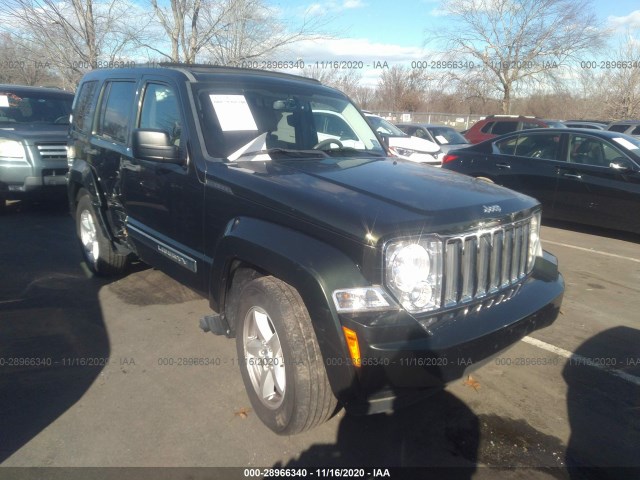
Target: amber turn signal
{"x": 352, "y": 343}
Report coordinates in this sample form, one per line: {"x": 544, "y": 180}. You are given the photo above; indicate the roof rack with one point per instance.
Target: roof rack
{"x": 510, "y": 116}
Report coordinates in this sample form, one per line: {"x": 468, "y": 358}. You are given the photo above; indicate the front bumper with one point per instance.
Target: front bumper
{"x": 20, "y": 181}
{"x": 404, "y": 355}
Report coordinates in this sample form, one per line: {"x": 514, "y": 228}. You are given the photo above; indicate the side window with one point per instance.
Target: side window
{"x": 507, "y": 146}
{"x": 635, "y": 131}
{"x": 500, "y": 128}
{"x": 528, "y": 125}
{"x": 84, "y": 107}
{"x": 591, "y": 151}
{"x": 161, "y": 111}
{"x": 113, "y": 121}
{"x": 487, "y": 127}
{"x": 543, "y": 146}
{"x": 621, "y": 128}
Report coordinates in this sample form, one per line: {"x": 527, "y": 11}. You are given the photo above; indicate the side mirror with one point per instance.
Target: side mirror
{"x": 155, "y": 145}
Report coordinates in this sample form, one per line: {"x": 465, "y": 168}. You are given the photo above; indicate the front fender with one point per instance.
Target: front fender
{"x": 312, "y": 267}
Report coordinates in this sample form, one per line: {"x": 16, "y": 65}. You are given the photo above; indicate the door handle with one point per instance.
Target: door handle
{"x": 503, "y": 165}
{"x": 572, "y": 175}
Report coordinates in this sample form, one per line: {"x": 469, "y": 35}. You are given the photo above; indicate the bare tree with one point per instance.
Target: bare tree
{"x": 20, "y": 66}
{"x": 620, "y": 85}
{"x": 190, "y": 25}
{"x": 72, "y": 35}
{"x": 403, "y": 89}
{"x": 347, "y": 81}
{"x": 519, "y": 40}
{"x": 252, "y": 30}
{"x": 225, "y": 32}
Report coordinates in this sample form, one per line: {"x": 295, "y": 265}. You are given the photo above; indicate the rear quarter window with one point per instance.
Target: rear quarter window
{"x": 83, "y": 107}
{"x": 500, "y": 128}
{"x": 115, "y": 110}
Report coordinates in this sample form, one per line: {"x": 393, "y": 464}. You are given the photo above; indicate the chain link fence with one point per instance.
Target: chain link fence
{"x": 458, "y": 121}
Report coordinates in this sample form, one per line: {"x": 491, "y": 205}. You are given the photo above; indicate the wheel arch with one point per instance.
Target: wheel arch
{"x": 314, "y": 268}
{"x": 82, "y": 177}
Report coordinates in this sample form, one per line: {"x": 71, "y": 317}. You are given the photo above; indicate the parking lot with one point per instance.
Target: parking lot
{"x": 108, "y": 377}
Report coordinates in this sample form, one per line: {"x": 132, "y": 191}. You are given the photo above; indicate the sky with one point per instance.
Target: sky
{"x": 394, "y": 31}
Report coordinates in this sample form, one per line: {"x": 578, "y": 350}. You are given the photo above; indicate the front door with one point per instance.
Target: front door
{"x": 164, "y": 200}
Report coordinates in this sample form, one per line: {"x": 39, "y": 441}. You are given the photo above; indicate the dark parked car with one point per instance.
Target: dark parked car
{"x": 345, "y": 276}
{"x": 585, "y": 176}
{"x": 33, "y": 135}
{"x": 495, "y": 125}
{"x": 630, "y": 127}
{"x": 446, "y": 137}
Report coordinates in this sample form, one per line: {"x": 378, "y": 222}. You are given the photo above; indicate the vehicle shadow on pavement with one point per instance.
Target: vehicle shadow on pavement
{"x": 54, "y": 342}
{"x": 598, "y": 396}
{"x": 439, "y": 432}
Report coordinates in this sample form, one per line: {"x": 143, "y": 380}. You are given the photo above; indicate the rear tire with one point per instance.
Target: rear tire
{"x": 97, "y": 250}
{"x": 280, "y": 360}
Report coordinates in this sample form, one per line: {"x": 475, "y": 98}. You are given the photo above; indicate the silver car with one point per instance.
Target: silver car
{"x": 446, "y": 137}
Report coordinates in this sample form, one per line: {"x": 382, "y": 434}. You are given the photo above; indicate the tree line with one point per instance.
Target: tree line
{"x": 549, "y": 58}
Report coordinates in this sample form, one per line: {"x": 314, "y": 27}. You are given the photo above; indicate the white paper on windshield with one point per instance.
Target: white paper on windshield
{"x": 233, "y": 112}
{"x": 441, "y": 139}
{"x": 625, "y": 143}
{"x": 4, "y": 100}
{"x": 251, "y": 151}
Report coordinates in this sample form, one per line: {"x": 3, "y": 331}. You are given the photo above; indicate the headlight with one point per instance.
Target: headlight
{"x": 403, "y": 152}
{"x": 413, "y": 272}
{"x": 535, "y": 248}
{"x": 11, "y": 151}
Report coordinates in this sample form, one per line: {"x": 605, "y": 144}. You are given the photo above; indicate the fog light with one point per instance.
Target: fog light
{"x": 422, "y": 295}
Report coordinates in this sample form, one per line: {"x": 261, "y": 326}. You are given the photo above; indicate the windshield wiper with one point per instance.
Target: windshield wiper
{"x": 355, "y": 151}
{"x": 287, "y": 152}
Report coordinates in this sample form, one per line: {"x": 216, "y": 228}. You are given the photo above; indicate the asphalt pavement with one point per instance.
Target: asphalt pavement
{"x": 109, "y": 373}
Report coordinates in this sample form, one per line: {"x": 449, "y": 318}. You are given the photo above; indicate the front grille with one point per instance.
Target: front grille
{"x": 477, "y": 264}
{"x": 52, "y": 151}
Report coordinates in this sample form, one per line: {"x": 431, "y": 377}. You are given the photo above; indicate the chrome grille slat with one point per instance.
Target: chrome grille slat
{"x": 52, "y": 151}
{"x": 484, "y": 262}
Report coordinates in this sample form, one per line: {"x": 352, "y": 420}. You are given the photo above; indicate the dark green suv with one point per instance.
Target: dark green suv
{"x": 345, "y": 276}
{"x": 33, "y": 135}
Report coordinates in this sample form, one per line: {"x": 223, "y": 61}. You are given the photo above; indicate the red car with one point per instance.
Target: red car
{"x": 495, "y": 125}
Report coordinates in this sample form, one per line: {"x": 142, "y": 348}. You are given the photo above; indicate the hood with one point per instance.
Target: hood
{"x": 34, "y": 132}
{"x": 414, "y": 143}
{"x": 380, "y": 197}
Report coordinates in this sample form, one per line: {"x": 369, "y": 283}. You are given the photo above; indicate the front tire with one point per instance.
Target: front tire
{"x": 97, "y": 250}
{"x": 280, "y": 360}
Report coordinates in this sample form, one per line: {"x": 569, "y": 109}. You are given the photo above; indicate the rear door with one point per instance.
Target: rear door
{"x": 594, "y": 189}
{"x": 528, "y": 162}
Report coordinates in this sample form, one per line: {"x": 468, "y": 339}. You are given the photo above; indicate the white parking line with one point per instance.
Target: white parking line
{"x": 591, "y": 250}
{"x": 580, "y": 360}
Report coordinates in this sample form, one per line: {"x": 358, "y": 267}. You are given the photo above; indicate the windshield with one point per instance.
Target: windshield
{"x": 385, "y": 127}
{"x": 29, "y": 108}
{"x": 264, "y": 122}
{"x": 445, "y": 136}
{"x": 555, "y": 124}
